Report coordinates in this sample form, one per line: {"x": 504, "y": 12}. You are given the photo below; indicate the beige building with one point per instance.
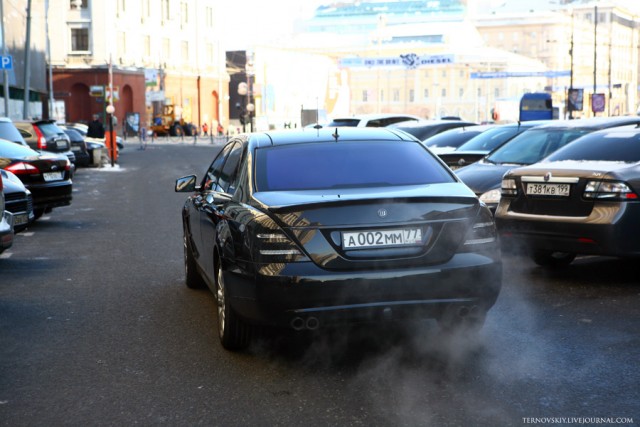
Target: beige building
{"x": 161, "y": 51}
{"x": 602, "y": 53}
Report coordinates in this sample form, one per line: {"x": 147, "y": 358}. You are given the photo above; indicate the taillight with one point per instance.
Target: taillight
{"x": 1, "y": 182}
{"x": 42, "y": 141}
{"x": 271, "y": 245}
{"x": 509, "y": 187}
{"x": 609, "y": 190}
{"x": 22, "y": 168}
{"x": 483, "y": 231}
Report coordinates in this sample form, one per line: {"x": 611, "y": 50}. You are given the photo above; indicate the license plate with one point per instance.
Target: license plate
{"x": 20, "y": 219}
{"x": 51, "y": 176}
{"x": 382, "y": 238}
{"x": 61, "y": 144}
{"x": 75, "y": 148}
{"x": 548, "y": 189}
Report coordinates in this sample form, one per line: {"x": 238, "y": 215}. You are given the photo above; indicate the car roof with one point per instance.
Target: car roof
{"x": 310, "y": 135}
{"x": 427, "y": 123}
{"x": 373, "y": 116}
{"x": 591, "y": 123}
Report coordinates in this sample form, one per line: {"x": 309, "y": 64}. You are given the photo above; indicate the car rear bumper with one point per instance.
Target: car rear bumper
{"x": 281, "y": 294}
{"x": 608, "y": 230}
{"x": 51, "y": 195}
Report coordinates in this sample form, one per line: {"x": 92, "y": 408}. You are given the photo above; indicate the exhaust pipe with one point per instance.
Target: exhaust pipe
{"x": 297, "y": 323}
{"x": 312, "y": 323}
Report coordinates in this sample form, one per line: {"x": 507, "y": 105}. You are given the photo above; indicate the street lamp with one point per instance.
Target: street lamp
{"x": 112, "y": 140}
{"x": 246, "y": 110}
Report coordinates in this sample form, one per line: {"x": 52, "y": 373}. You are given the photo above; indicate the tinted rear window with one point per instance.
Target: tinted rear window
{"x": 9, "y": 131}
{"x": 617, "y": 147}
{"x": 451, "y": 138}
{"x": 490, "y": 139}
{"x": 49, "y": 129}
{"x": 346, "y": 165}
{"x": 13, "y": 150}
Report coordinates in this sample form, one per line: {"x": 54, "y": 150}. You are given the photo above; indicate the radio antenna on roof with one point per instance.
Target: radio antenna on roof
{"x": 335, "y": 135}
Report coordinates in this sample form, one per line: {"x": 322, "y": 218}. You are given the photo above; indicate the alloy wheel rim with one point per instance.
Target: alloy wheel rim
{"x": 221, "y": 302}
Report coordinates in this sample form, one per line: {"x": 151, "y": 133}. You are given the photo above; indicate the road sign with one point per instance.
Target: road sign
{"x": 6, "y": 62}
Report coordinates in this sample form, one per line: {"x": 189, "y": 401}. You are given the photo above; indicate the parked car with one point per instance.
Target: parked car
{"x": 10, "y": 132}
{"x": 83, "y": 128}
{"x": 449, "y": 140}
{"x": 290, "y": 229}
{"x": 78, "y": 146}
{"x": 46, "y": 175}
{"x": 485, "y": 176}
{"x": 46, "y": 135}
{"x": 424, "y": 129}
{"x": 6, "y": 222}
{"x": 18, "y": 200}
{"x": 484, "y": 143}
{"x": 583, "y": 199}
{"x": 371, "y": 120}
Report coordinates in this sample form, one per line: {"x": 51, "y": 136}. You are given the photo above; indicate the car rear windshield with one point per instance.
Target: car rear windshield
{"x": 346, "y": 165}
{"x": 533, "y": 145}
{"x": 9, "y": 131}
{"x": 490, "y": 139}
{"x": 49, "y": 130}
{"x": 12, "y": 150}
{"x": 614, "y": 146}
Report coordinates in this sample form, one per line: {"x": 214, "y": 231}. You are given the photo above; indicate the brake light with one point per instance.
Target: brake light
{"x": 22, "y": 168}
{"x": 483, "y": 231}
{"x": 272, "y": 245}
{"x": 609, "y": 190}
{"x": 0, "y": 182}
{"x": 42, "y": 141}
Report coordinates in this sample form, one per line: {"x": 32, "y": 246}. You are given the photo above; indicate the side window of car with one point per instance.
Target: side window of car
{"x": 24, "y": 133}
{"x": 230, "y": 169}
{"x": 210, "y": 181}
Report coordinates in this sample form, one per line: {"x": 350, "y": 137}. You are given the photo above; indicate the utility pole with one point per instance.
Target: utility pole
{"x": 5, "y": 71}
{"x": 570, "y": 104}
{"x": 27, "y": 64}
{"x": 595, "y": 47}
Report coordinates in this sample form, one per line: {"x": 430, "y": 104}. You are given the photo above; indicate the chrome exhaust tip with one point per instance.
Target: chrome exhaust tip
{"x": 312, "y": 323}
{"x": 297, "y": 323}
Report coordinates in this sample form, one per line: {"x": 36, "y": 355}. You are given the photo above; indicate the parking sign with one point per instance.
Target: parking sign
{"x": 6, "y": 62}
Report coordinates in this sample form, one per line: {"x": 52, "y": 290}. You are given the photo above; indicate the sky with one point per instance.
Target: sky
{"x": 245, "y": 21}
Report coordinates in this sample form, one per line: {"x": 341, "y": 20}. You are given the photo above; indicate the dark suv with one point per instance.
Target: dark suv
{"x": 46, "y": 135}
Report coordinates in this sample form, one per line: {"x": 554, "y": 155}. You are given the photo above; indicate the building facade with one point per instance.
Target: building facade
{"x": 139, "y": 55}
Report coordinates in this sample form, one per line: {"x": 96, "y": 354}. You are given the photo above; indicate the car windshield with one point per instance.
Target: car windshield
{"x": 12, "y": 150}
{"x": 346, "y": 165}
{"x": 611, "y": 146}
{"x": 490, "y": 139}
{"x": 533, "y": 145}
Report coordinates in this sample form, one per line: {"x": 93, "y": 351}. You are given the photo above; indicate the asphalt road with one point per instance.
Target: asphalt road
{"x": 97, "y": 328}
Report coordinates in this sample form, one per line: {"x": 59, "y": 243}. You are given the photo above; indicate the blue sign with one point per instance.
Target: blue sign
{"x": 6, "y": 62}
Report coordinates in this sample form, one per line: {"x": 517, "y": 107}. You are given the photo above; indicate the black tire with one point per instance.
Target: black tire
{"x": 193, "y": 279}
{"x": 553, "y": 259}
{"x": 37, "y": 213}
{"x": 233, "y": 332}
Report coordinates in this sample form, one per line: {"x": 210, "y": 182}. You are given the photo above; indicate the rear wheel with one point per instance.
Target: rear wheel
{"x": 233, "y": 332}
{"x": 553, "y": 259}
{"x": 193, "y": 279}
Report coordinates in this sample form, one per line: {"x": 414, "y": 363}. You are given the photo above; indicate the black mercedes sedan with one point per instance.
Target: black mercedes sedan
{"x": 583, "y": 199}
{"x": 312, "y": 228}
{"x": 529, "y": 147}
{"x": 18, "y": 200}
{"x": 46, "y": 175}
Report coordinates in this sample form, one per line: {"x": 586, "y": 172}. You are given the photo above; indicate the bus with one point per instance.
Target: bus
{"x": 536, "y": 106}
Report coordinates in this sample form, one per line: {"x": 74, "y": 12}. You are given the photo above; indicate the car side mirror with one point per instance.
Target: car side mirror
{"x": 186, "y": 184}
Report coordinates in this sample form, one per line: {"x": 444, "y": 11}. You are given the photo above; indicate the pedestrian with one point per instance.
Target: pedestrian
{"x": 95, "y": 129}
{"x": 205, "y": 129}
{"x": 220, "y": 130}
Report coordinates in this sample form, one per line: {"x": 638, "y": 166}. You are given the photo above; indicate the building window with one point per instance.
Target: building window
{"x": 396, "y": 95}
{"x": 444, "y": 73}
{"x": 121, "y": 38}
{"x": 365, "y": 96}
{"x": 426, "y": 74}
{"x": 210, "y": 53}
{"x": 496, "y": 92}
{"x": 165, "y": 9}
{"x": 79, "y": 39}
{"x": 184, "y": 47}
{"x": 412, "y": 95}
{"x": 443, "y": 93}
{"x": 381, "y": 95}
{"x": 79, "y": 4}
{"x": 461, "y": 93}
{"x": 426, "y": 93}
{"x": 479, "y": 92}
{"x": 209, "y": 17}
{"x": 147, "y": 46}
{"x": 184, "y": 14}
{"x": 121, "y": 8}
